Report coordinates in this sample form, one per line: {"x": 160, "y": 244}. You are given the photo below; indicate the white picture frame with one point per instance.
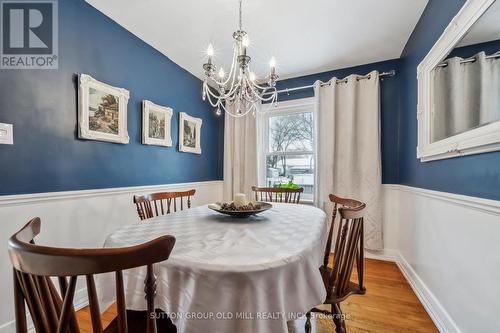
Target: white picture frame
{"x": 189, "y": 133}
{"x": 155, "y": 133}
{"x": 475, "y": 141}
{"x": 102, "y": 111}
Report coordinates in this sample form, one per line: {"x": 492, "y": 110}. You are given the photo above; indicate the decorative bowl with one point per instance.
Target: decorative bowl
{"x": 263, "y": 206}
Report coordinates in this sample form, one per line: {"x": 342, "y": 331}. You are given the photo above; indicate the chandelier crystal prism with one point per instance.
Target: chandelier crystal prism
{"x": 237, "y": 92}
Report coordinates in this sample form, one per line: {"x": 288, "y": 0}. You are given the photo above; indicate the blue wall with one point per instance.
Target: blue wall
{"x": 42, "y": 105}
{"x": 390, "y": 92}
{"x": 471, "y": 50}
{"x": 474, "y": 175}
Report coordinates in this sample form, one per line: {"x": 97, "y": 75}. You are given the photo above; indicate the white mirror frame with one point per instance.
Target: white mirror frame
{"x": 478, "y": 140}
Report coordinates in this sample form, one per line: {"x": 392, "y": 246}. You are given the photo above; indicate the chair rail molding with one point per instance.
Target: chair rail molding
{"x": 19, "y": 199}
{"x": 479, "y": 140}
{"x": 476, "y": 203}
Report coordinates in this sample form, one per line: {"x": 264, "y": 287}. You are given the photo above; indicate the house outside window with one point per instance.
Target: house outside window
{"x": 287, "y": 150}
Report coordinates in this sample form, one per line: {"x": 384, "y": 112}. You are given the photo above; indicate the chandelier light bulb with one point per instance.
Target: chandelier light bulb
{"x": 210, "y": 50}
{"x": 272, "y": 62}
{"x": 252, "y": 76}
{"x": 221, "y": 73}
{"x": 246, "y": 41}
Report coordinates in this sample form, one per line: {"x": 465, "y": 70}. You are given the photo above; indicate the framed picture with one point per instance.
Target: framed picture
{"x": 156, "y": 123}
{"x": 189, "y": 133}
{"x": 102, "y": 111}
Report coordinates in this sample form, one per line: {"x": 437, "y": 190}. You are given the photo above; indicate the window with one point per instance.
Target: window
{"x": 287, "y": 152}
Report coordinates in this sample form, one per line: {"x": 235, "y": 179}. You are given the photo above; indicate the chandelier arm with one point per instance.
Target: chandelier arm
{"x": 255, "y": 84}
{"x": 271, "y": 90}
{"x": 233, "y": 62}
{"x": 232, "y": 76}
{"x": 272, "y": 96}
{"x": 225, "y": 95}
{"x": 263, "y": 88}
{"x": 262, "y": 98}
{"x": 239, "y": 101}
{"x": 212, "y": 103}
{"x": 234, "y": 115}
{"x": 259, "y": 96}
{"x": 232, "y": 92}
{"x": 206, "y": 95}
{"x": 267, "y": 90}
{"x": 209, "y": 95}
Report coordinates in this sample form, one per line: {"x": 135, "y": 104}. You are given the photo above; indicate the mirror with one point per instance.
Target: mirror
{"x": 466, "y": 87}
{"x": 459, "y": 86}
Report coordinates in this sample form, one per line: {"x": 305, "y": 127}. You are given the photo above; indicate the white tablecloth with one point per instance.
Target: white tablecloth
{"x": 229, "y": 275}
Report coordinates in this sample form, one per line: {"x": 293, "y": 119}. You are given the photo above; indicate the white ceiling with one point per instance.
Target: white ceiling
{"x": 486, "y": 29}
{"x": 305, "y": 36}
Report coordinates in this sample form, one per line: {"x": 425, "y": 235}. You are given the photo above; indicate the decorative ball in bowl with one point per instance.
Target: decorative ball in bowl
{"x": 229, "y": 208}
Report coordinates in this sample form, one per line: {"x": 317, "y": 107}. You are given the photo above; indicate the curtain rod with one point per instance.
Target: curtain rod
{"x": 472, "y": 59}
{"x": 360, "y": 77}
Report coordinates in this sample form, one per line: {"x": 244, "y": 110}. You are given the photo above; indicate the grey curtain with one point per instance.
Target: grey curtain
{"x": 240, "y": 155}
{"x": 466, "y": 95}
{"x": 348, "y": 155}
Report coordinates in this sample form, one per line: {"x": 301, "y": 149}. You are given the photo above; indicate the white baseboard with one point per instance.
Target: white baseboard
{"x": 385, "y": 255}
{"x": 436, "y": 311}
{"x": 438, "y": 314}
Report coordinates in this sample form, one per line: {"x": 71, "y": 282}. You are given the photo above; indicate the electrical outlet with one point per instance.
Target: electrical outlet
{"x": 6, "y": 134}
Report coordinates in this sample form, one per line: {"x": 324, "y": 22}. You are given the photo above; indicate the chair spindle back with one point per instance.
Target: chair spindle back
{"x": 347, "y": 250}
{"x": 161, "y": 203}
{"x": 276, "y": 194}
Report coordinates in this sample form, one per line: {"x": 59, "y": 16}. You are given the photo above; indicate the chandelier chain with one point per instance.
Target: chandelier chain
{"x": 241, "y": 15}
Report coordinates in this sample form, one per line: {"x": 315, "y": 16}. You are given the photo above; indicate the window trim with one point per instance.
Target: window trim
{"x": 282, "y": 108}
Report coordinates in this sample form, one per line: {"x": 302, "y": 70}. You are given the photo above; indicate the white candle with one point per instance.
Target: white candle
{"x": 240, "y": 199}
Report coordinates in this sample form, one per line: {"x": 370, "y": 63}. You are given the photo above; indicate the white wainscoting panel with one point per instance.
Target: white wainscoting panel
{"x": 448, "y": 250}
{"x": 77, "y": 219}
{"x": 445, "y": 244}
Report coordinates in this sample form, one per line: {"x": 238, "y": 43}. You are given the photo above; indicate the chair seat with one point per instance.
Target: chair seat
{"x": 136, "y": 321}
{"x": 352, "y": 288}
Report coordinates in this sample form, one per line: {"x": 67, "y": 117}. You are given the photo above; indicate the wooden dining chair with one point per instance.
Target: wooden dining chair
{"x": 161, "y": 203}
{"x": 52, "y": 311}
{"x": 276, "y": 194}
{"x": 339, "y": 202}
{"x": 337, "y": 280}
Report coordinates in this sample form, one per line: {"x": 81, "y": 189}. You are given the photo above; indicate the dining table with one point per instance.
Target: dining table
{"x": 228, "y": 274}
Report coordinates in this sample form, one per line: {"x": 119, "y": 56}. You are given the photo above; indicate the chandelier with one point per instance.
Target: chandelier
{"x": 237, "y": 92}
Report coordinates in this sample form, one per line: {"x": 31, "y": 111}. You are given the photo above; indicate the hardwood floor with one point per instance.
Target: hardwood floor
{"x": 389, "y": 306}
